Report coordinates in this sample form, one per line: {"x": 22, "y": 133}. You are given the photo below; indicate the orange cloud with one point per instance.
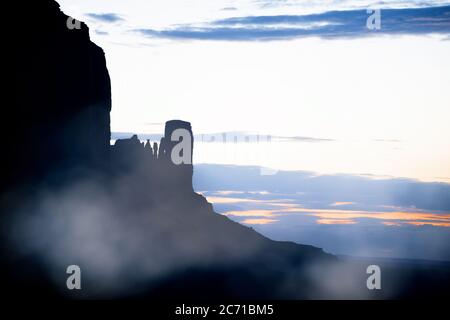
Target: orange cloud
{"x": 251, "y": 213}
{"x": 225, "y": 200}
{"x": 259, "y": 221}
{"x": 230, "y": 200}
{"x": 412, "y": 218}
{"x": 335, "y": 204}
{"x": 336, "y": 216}
{"x": 435, "y": 224}
{"x": 407, "y": 216}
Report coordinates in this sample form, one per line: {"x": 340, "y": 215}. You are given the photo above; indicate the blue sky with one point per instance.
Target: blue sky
{"x": 377, "y": 100}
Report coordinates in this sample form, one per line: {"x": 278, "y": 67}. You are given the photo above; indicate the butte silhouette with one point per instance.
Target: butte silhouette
{"x": 126, "y": 214}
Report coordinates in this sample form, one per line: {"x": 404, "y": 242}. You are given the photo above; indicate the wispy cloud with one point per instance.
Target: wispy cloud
{"x": 314, "y": 206}
{"x": 336, "y": 221}
{"x": 309, "y": 187}
{"x": 101, "y": 33}
{"x": 365, "y": 228}
{"x": 327, "y": 216}
{"x": 333, "y": 24}
{"x": 346, "y": 4}
{"x": 259, "y": 221}
{"x": 414, "y": 218}
{"x": 341, "y": 203}
{"x": 247, "y": 205}
{"x": 105, "y": 17}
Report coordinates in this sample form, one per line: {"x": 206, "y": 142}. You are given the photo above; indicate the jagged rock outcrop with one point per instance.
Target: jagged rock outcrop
{"x": 154, "y": 166}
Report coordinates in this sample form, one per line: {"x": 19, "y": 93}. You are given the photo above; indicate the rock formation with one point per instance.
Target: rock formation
{"x": 61, "y": 141}
{"x": 155, "y": 165}
{"x": 125, "y": 214}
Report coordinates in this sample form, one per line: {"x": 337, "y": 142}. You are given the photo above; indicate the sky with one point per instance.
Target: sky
{"x": 368, "y": 101}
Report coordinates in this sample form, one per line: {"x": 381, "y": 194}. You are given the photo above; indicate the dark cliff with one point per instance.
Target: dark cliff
{"x": 62, "y": 98}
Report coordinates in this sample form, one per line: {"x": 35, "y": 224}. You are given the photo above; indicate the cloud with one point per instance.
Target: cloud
{"x": 259, "y": 221}
{"x": 341, "y": 203}
{"x": 230, "y": 200}
{"x": 428, "y": 223}
{"x": 414, "y": 218}
{"x": 101, "y": 33}
{"x": 250, "y": 213}
{"x": 367, "y": 192}
{"x": 327, "y": 216}
{"x": 336, "y": 221}
{"x": 329, "y": 25}
{"x": 105, "y": 17}
{"x": 267, "y": 207}
{"x": 345, "y": 4}
{"x": 389, "y": 217}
